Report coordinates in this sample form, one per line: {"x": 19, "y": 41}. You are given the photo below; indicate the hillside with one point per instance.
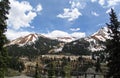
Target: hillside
{"x": 37, "y": 44}
{"x": 92, "y": 43}
{"x": 97, "y": 39}
{"x": 31, "y": 45}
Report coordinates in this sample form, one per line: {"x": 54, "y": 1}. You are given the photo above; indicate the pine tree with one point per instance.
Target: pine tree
{"x": 98, "y": 65}
{"x": 4, "y": 7}
{"x": 36, "y": 70}
{"x": 113, "y": 46}
{"x": 67, "y": 70}
{"x": 51, "y": 70}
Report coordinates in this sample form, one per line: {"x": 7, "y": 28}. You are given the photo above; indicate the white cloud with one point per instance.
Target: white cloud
{"x": 101, "y": 2}
{"x": 21, "y": 14}
{"x": 93, "y": 0}
{"x": 107, "y": 3}
{"x": 73, "y": 12}
{"x": 39, "y": 8}
{"x": 70, "y": 14}
{"x": 58, "y": 33}
{"x": 112, "y": 3}
{"x": 76, "y": 4}
{"x": 13, "y": 34}
{"x": 75, "y": 29}
{"x": 101, "y": 24}
{"x": 78, "y": 34}
{"x": 109, "y": 10}
{"x": 94, "y": 13}
{"x": 73, "y": 4}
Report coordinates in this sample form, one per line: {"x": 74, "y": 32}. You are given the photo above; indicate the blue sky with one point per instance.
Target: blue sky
{"x": 77, "y": 18}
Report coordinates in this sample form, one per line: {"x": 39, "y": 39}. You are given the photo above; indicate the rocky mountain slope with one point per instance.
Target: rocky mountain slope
{"x": 40, "y": 44}
{"x": 31, "y": 38}
{"x": 32, "y": 45}
{"x": 92, "y": 43}
{"x": 97, "y": 39}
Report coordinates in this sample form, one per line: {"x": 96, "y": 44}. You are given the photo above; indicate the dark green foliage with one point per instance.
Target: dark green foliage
{"x": 51, "y": 70}
{"x": 4, "y": 7}
{"x": 36, "y": 71}
{"x": 101, "y": 54}
{"x": 98, "y": 65}
{"x": 41, "y": 46}
{"x": 80, "y": 59}
{"x": 78, "y": 47}
{"x": 113, "y": 46}
{"x": 15, "y": 64}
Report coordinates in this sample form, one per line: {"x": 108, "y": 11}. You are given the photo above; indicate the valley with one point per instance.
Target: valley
{"x": 36, "y": 53}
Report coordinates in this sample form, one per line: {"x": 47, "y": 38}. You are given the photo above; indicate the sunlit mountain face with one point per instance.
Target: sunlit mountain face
{"x": 41, "y": 44}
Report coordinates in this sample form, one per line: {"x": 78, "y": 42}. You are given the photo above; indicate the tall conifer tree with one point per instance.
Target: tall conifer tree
{"x": 4, "y": 7}
{"x": 113, "y": 46}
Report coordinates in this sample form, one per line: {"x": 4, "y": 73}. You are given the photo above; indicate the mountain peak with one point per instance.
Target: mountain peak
{"x": 101, "y": 34}
{"x": 31, "y": 38}
{"x": 95, "y": 40}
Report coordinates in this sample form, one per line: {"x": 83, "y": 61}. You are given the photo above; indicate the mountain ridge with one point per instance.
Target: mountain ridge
{"x": 56, "y": 45}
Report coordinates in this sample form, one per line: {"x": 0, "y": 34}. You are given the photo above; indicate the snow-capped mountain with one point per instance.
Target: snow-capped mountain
{"x": 28, "y": 39}
{"x": 66, "y": 39}
{"x": 25, "y": 40}
{"x": 42, "y": 44}
{"x": 33, "y": 45}
{"x": 31, "y": 38}
{"x": 95, "y": 42}
{"x": 101, "y": 34}
{"x": 97, "y": 39}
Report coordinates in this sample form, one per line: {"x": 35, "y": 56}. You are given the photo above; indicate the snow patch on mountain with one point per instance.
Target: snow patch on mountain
{"x": 29, "y": 39}
{"x": 57, "y": 48}
{"x": 66, "y": 39}
{"x": 97, "y": 39}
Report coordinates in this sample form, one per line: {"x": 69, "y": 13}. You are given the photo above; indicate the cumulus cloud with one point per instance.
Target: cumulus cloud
{"x": 39, "y": 8}
{"x": 74, "y": 29}
{"x": 112, "y": 3}
{"x": 73, "y": 12}
{"x": 94, "y": 13}
{"x": 93, "y": 0}
{"x": 70, "y": 14}
{"x": 58, "y": 33}
{"x": 21, "y": 14}
{"x": 13, "y": 34}
{"x": 78, "y": 34}
{"x": 76, "y": 4}
{"x": 102, "y": 2}
{"x": 107, "y": 3}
